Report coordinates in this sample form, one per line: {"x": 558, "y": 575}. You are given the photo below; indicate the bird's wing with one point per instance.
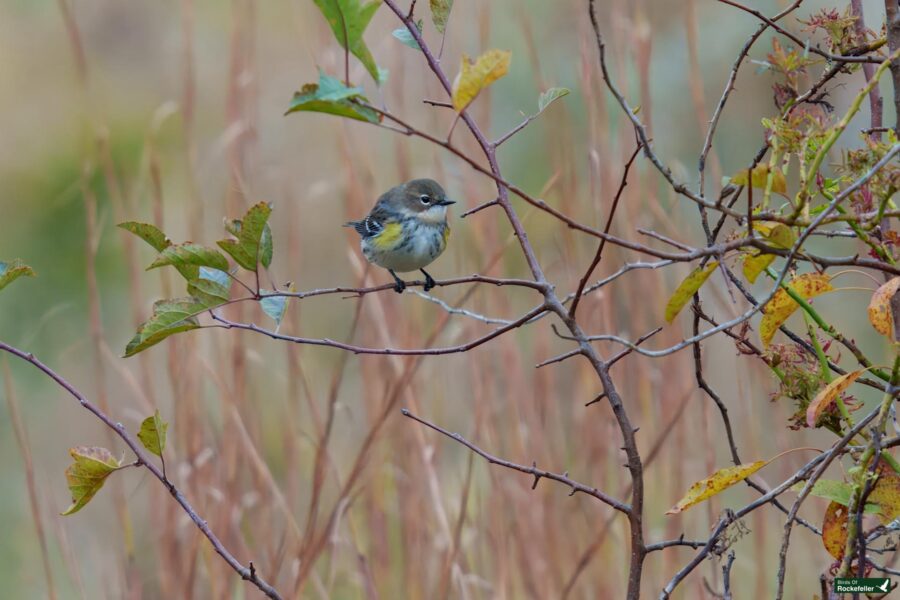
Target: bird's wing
{"x": 374, "y": 223}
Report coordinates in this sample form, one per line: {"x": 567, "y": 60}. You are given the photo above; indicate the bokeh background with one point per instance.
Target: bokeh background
{"x": 172, "y": 112}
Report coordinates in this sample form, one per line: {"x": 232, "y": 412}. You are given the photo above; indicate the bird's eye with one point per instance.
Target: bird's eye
{"x": 425, "y": 199}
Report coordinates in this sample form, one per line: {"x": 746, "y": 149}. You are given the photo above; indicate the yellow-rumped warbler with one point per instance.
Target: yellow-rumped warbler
{"x": 406, "y": 230}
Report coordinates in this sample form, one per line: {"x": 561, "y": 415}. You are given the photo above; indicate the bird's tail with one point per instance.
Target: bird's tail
{"x": 359, "y": 226}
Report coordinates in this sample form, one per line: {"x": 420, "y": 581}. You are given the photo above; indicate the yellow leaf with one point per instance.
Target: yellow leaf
{"x": 475, "y": 76}
{"x": 778, "y": 234}
{"x": 87, "y": 474}
{"x": 781, "y": 306}
{"x": 826, "y": 397}
{"x": 759, "y": 176}
{"x": 715, "y": 483}
{"x": 886, "y": 494}
{"x": 754, "y": 264}
{"x": 688, "y": 288}
{"x": 880, "y": 307}
{"x": 834, "y": 530}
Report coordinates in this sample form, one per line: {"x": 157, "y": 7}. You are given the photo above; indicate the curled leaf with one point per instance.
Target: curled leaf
{"x": 149, "y": 233}
{"x": 551, "y": 95}
{"x": 476, "y": 75}
{"x": 331, "y": 96}
{"x": 760, "y": 175}
{"x": 406, "y": 38}
{"x": 782, "y": 306}
{"x": 88, "y": 474}
{"x": 880, "y": 315}
{"x": 826, "y": 397}
{"x": 10, "y": 271}
{"x": 715, "y": 483}
{"x": 834, "y": 530}
{"x": 153, "y": 434}
{"x": 688, "y": 288}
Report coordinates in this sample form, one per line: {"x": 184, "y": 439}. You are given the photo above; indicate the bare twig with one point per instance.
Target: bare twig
{"x": 246, "y": 573}
{"x": 532, "y": 470}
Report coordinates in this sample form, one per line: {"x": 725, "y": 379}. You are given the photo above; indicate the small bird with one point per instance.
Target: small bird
{"x": 406, "y": 230}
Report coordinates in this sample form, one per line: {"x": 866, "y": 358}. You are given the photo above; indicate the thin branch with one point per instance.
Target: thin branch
{"x": 612, "y": 213}
{"x": 228, "y": 324}
{"x": 247, "y": 573}
{"x": 532, "y": 470}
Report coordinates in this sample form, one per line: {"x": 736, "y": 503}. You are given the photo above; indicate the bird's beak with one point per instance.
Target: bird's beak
{"x": 446, "y": 202}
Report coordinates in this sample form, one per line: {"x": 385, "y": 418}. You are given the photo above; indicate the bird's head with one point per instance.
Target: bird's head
{"x": 425, "y": 199}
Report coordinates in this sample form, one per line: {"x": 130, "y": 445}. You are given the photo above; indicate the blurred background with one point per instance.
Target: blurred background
{"x": 172, "y": 112}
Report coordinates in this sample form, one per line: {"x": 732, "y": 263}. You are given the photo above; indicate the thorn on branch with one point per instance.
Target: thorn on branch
{"x": 597, "y": 399}
{"x": 537, "y": 476}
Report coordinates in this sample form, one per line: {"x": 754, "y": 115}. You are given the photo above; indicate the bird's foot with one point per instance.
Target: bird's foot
{"x": 429, "y": 281}
{"x": 399, "y": 284}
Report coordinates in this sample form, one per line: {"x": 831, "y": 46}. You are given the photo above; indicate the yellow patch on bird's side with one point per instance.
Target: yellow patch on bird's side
{"x": 446, "y": 234}
{"x": 389, "y": 236}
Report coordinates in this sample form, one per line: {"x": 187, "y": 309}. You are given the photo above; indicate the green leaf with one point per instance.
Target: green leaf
{"x": 88, "y": 474}
{"x": 265, "y": 247}
{"x": 253, "y": 227}
{"x": 254, "y": 238}
{"x": 216, "y": 276}
{"x": 209, "y": 293}
{"x": 275, "y": 306}
{"x": 550, "y": 95}
{"x": 333, "y": 97}
{"x": 188, "y": 257}
{"x": 836, "y": 491}
{"x": 234, "y": 249}
{"x": 406, "y": 38}
{"x": 265, "y": 254}
{"x": 348, "y": 20}
{"x": 10, "y": 271}
{"x": 169, "y": 317}
{"x": 149, "y": 233}
{"x": 440, "y": 13}
{"x": 153, "y": 434}
{"x": 688, "y": 288}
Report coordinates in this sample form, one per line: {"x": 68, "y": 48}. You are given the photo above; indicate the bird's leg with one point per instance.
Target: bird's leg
{"x": 399, "y": 284}
{"x": 429, "y": 280}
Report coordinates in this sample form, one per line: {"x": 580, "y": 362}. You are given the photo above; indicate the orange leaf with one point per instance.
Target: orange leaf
{"x": 715, "y": 483}
{"x": 880, "y": 307}
{"x": 782, "y": 306}
{"x": 834, "y": 530}
{"x": 826, "y": 397}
